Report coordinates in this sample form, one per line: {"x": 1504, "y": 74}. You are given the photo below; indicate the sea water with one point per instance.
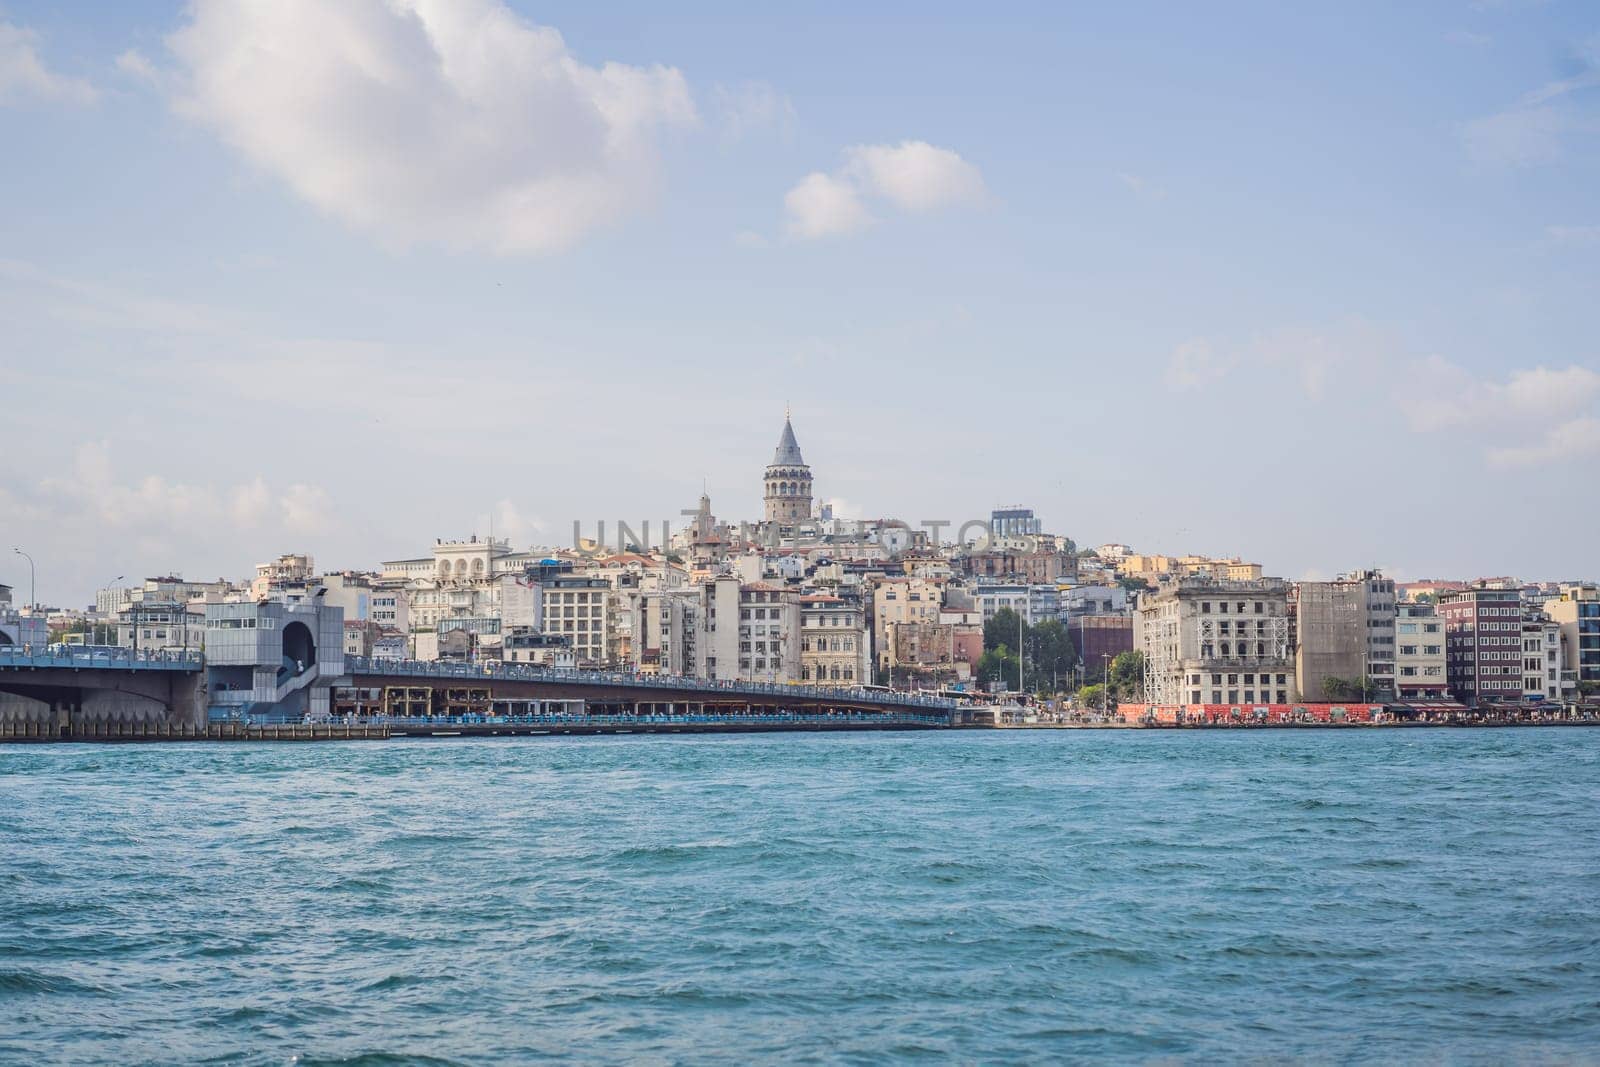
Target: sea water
{"x": 1331, "y": 896}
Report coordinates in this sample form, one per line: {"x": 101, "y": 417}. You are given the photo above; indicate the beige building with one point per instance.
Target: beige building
{"x": 1576, "y": 610}
{"x": 577, "y": 607}
{"x": 1214, "y": 641}
{"x": 1345, "y": 629}
{"x": 1419, "y": 658}
{"x": 288, "y": 573}
{"x": 1151, "y": 568}
{"x": 833, "y": 642}
{"x": 748, "y": 631}
{"x": 665, "y": 629}
{"x": 901, "y": 600}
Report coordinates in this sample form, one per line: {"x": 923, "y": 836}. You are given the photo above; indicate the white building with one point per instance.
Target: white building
{"x": 992, "y": 597}
{"x": 156, "y": 626}
{"x": 1542, "y": 661}
{"x": 577, "y": 607}
{"x": 1419, "y": 661}
{"x": 748, "y": 631}
{"x": 834, "y": 649}
{"x": 1216, "y": 641}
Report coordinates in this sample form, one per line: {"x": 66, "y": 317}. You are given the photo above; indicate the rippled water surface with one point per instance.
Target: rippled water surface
{"x": 1326, "y": 896}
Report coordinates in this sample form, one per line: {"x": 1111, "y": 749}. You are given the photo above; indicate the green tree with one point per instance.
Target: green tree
{"x": 1335, "y": 688}
{"x": 1091, "y": 696}
{"x": 1133, "y": 585}
{"x": 1127, "y": 675}
{"x": 1001, "y": 629}
{"x": 998, "y": 665}
{"x": 1051, "y": 656}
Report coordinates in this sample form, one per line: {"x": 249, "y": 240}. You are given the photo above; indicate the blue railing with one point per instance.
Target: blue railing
{"x": 114, "y": 659}
{"x": 576, "y": 719}
{"x": 519, "y": 672}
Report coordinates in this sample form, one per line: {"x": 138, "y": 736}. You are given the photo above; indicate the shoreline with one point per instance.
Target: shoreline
{"x": 305, "y": 733}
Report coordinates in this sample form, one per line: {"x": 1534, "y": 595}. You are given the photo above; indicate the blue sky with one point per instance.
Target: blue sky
{"x": 1313, "y": 287}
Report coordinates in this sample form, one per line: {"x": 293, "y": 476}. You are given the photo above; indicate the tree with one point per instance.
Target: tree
{"x": 1133, "y": 585}
{"x": 1127, "y": 675}
{"x": 1051, "y": 655}
{"x": 1001, "y": 629}
{"x": 1091, "y": 696}
{"x": 1335, "y": 688}
{"x": 997, "y": 665}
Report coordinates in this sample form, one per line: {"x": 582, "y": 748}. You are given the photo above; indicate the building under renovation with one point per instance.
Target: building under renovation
{"x": 1216, "y": 641}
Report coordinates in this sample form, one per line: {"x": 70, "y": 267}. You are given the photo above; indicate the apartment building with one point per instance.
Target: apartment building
{"x": 1483, "y": 644}
{"x": 833, "y": 641}
{"x": 1419, "y": 661}
{"x": 1541, "y": 658}
{"x": 1576, "y": 610}
{"x": 577, "y": 607}
{"x": 902, "y": 599}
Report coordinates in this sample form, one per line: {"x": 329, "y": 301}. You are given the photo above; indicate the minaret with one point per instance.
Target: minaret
{"x": 788, "y": 481}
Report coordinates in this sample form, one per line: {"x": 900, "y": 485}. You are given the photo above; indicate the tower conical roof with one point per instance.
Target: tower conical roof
{"x": 788, "y": 454}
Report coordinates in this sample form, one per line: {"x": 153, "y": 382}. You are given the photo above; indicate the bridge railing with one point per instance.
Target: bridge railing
{"x": 781, "y": 718}
{"x": 106, "y": 659}
{"x": 521, "y": 672}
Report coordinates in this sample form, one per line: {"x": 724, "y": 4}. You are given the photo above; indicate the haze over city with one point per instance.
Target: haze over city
{"x": 1322, "y": 295}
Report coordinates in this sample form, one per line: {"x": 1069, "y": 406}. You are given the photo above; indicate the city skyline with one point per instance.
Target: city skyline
{"x": 1331, "y": 320}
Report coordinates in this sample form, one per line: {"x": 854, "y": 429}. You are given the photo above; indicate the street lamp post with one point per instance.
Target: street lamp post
{"x": 1022, "y": 653}
{"x": 33, "y": 590}
{"x": 102, "y": 589}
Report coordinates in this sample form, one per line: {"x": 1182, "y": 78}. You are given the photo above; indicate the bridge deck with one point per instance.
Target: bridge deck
{"x": 366, "y": 671}
{"x": 14, "y": 658}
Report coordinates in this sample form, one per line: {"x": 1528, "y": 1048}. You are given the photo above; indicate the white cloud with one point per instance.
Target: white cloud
{"x": 912, "y": 176}
{"x": 137, "y": 65}
{"x": 823, "y": 205}
{"x": 1193, "y": 364}
{"x": 456, "y": 123}
{"x": 1313, "y": 356}
{"x": 1428, "y": 395}
{"x": 1573, "y": 439}
{"x": 306, "y": 509}
{"x": 23, "y": 74}
{"x": 95, "y": 496}
{"x": 507, "y": 522}
{"x": 752, "y": 107}
{"x": 915, "y": 175}
{"x": 1447, "y": 395}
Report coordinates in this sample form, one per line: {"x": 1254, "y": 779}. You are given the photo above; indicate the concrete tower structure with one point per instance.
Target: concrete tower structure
{"x": 788, "y": 482}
